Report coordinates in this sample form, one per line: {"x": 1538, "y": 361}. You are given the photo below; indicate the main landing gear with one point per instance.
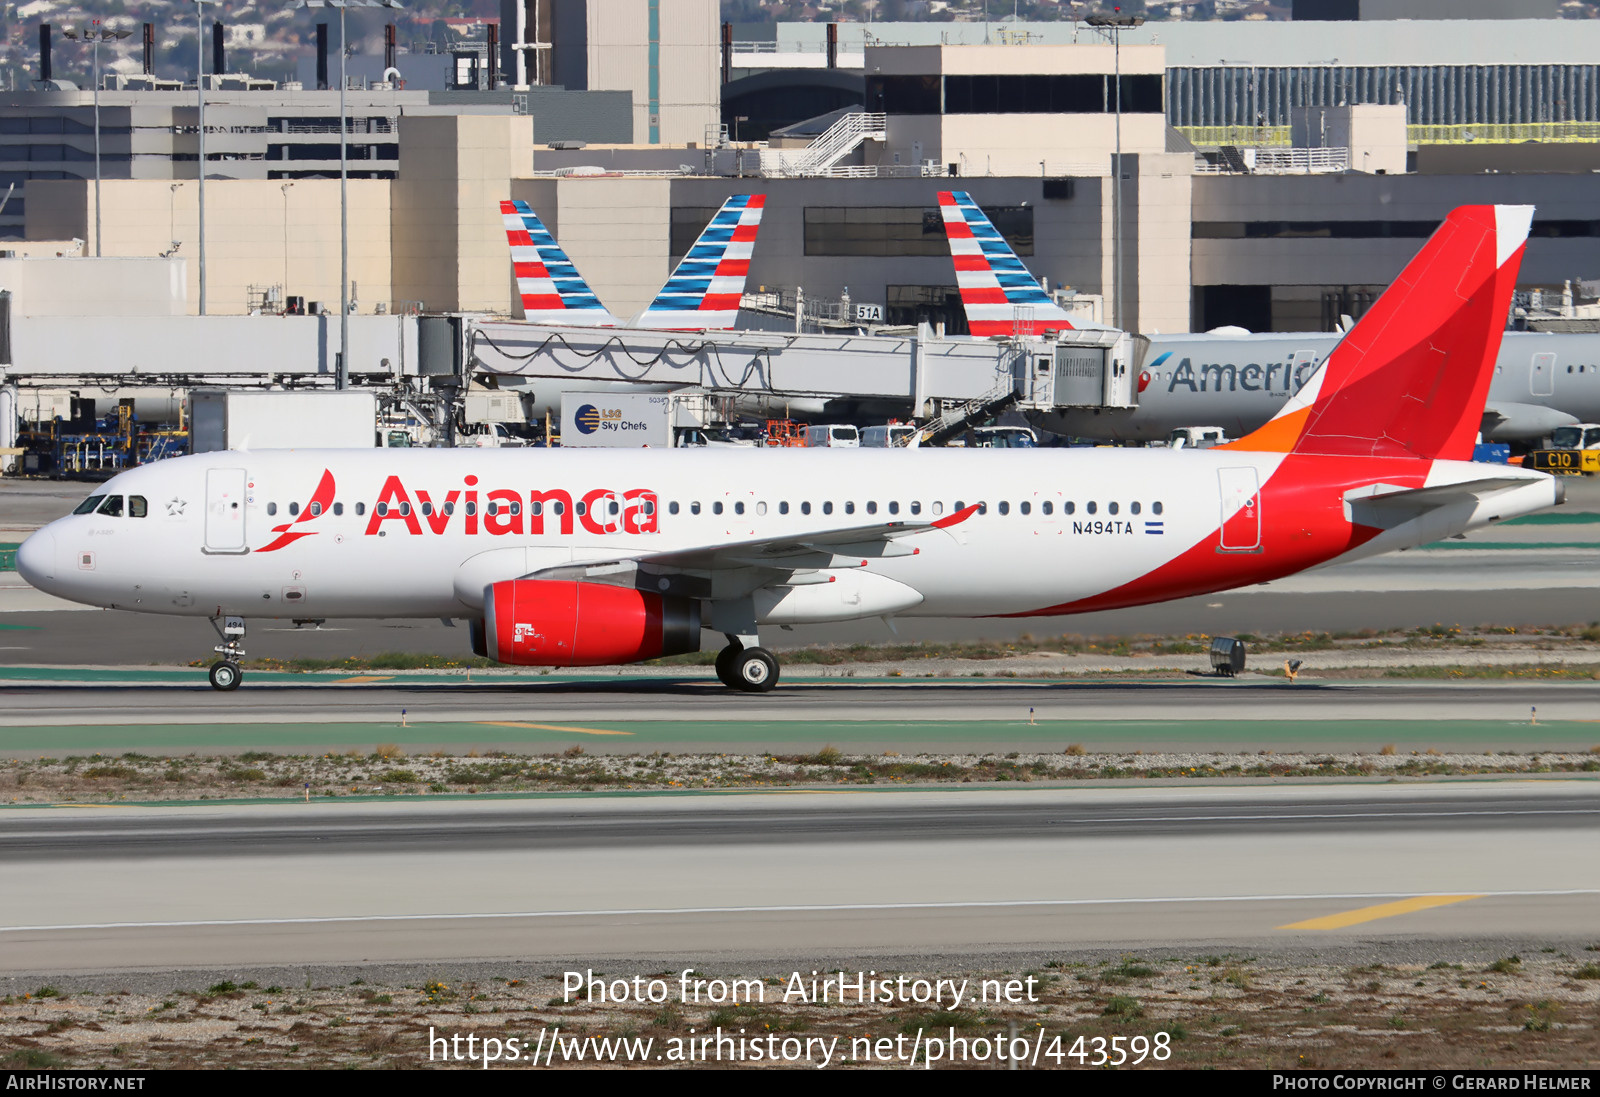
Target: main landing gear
{"x": 751, "y": 670}
{"x": 225, "y": 674}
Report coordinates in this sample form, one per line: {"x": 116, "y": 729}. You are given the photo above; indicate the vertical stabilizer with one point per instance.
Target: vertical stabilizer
{"x": 552, "y": 290}
{"x": 998, "y": 293}
{"x": 1411, "y": 377}
{"x": 704, "y": 291}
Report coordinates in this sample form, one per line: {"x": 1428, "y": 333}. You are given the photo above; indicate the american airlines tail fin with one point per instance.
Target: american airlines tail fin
{"x": 999, "y": 295}
{"x": 704, "y": 291}
{"x": 552, "y": 290}
{"x": 1410, "y": 379}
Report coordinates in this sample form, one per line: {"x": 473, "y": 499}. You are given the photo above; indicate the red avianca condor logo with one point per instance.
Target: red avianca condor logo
{"x": 321, "y": 500}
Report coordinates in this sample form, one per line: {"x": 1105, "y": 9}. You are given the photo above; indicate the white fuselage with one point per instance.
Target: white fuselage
{"x": 233, "y": 533}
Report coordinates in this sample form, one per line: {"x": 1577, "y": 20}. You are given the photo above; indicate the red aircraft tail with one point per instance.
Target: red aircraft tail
{"x": 1411, "y": 378}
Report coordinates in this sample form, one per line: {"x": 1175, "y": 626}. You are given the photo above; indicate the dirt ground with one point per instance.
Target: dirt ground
{"x": 388, "y": 771}
{"x": 1229, "y": 1011}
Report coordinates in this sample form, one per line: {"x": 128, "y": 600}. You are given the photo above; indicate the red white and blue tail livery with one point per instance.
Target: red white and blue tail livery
{"x": 584, "y": 557}
{"x": 703, "y": 293}
{"x": 999, "y": 294}
{"x": 552, "y": 290}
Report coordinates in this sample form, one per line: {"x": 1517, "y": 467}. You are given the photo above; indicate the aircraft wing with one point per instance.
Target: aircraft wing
{"x": 840, "y": 547}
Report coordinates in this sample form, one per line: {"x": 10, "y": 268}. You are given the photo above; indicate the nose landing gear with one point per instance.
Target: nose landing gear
{"x": 225, "y": 673}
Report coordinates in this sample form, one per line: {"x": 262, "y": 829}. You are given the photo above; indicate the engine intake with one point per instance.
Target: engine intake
{"x": 566, "y": 623}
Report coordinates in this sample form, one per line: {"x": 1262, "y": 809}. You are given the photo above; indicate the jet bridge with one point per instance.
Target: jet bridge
{"x": 916, "y": 371}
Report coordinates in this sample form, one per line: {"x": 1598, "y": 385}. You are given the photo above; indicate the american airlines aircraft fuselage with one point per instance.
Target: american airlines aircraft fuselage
{"x": 1542, "y": 380}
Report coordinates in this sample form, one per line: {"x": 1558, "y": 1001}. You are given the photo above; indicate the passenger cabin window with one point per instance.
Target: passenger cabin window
{"x": 137, "y": 506}
{"x": 1155, "y": 508}
{"x": 272, "y": 508}
{"x": 783, "y": 507}
{"x": 1111, "y": 508}
{"x": 427, "y": 508}
{"x": 361, "y": 508}
{"x": 338, "y": 509}
{"x": 738, "y": 508}
{"x": 294, "y": 509}
{"x": 672, "y": 507}
{"x": 112, "y": 507}
{"x": 88, "y": 505}
{"x": 916, "y": 507}
{"x": 472, "y": 508}
{"x": 383, "y": 509}
{"x": 1089, "y": 508}
{"x": 716, "y": 508}
{"x": 1047, "y": 507}
{"x": 894, "y": 507}
{"x": 694, "y": 508}
{"x": 1069, "y": 507}
{"x": 1004, "y": 507}
{"x": 316, "y": 510}
{"x": 1133, "y": 508}
{"x": 827, "y": 508}
{"x": 805, "y": 508}
{"x": 850, "y": 507}
{"x": 1024, "y": 507}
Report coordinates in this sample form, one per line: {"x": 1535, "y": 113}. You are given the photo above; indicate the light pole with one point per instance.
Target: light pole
{"x": 1116, "y": 24}
{"x": 200, "y": 128}
{"x": 96, "y": 34}
{"x": 342, "y": 377}
{"x": 285, "y": 189}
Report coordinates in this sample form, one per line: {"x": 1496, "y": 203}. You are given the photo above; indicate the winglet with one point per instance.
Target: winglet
{"x": 998, "y": 293}
{"x": 551, "y": 289}
{"x": 704, "y": 291}
{"x": 957, "y": 518}
{"x": 1411, "y": 377}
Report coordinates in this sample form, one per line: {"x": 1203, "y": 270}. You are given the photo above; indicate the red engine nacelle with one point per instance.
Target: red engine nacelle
{"x": 565, "y": 623}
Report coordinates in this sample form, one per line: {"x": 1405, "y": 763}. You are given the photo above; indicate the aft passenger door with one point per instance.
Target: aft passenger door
{"x": 225, "y": 511}
{"x": 1542, "y": 375}
{"x": 1241, "y": 510}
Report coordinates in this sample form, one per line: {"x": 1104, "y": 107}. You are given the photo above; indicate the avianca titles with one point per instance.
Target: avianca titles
{"x": 591, "y": 557}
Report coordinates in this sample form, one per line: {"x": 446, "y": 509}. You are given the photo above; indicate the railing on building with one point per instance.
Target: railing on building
{"x": 1274, "y": 161}
{"x": 1255, "y": 137}
{"x": 1504, "y": 133}
{"x": 820, "y": 156}
{"x": 1464, "y": 134}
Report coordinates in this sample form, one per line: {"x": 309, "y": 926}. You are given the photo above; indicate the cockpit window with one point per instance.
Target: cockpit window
{"x": 112, "y": 507}
{"x": 88, "y": 505}
{"x": 137, "y": 506}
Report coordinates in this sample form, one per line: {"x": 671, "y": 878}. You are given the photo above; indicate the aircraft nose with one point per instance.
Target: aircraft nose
{"x": 36, "y": 558}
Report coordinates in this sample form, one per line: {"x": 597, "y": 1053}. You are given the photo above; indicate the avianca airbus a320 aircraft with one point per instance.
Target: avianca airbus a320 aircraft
{"x": 589, "y": 557}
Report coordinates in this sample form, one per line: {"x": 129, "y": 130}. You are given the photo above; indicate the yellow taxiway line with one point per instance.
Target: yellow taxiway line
{"x": 549, "y": 727}
{"x": 1382, "y": 910}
